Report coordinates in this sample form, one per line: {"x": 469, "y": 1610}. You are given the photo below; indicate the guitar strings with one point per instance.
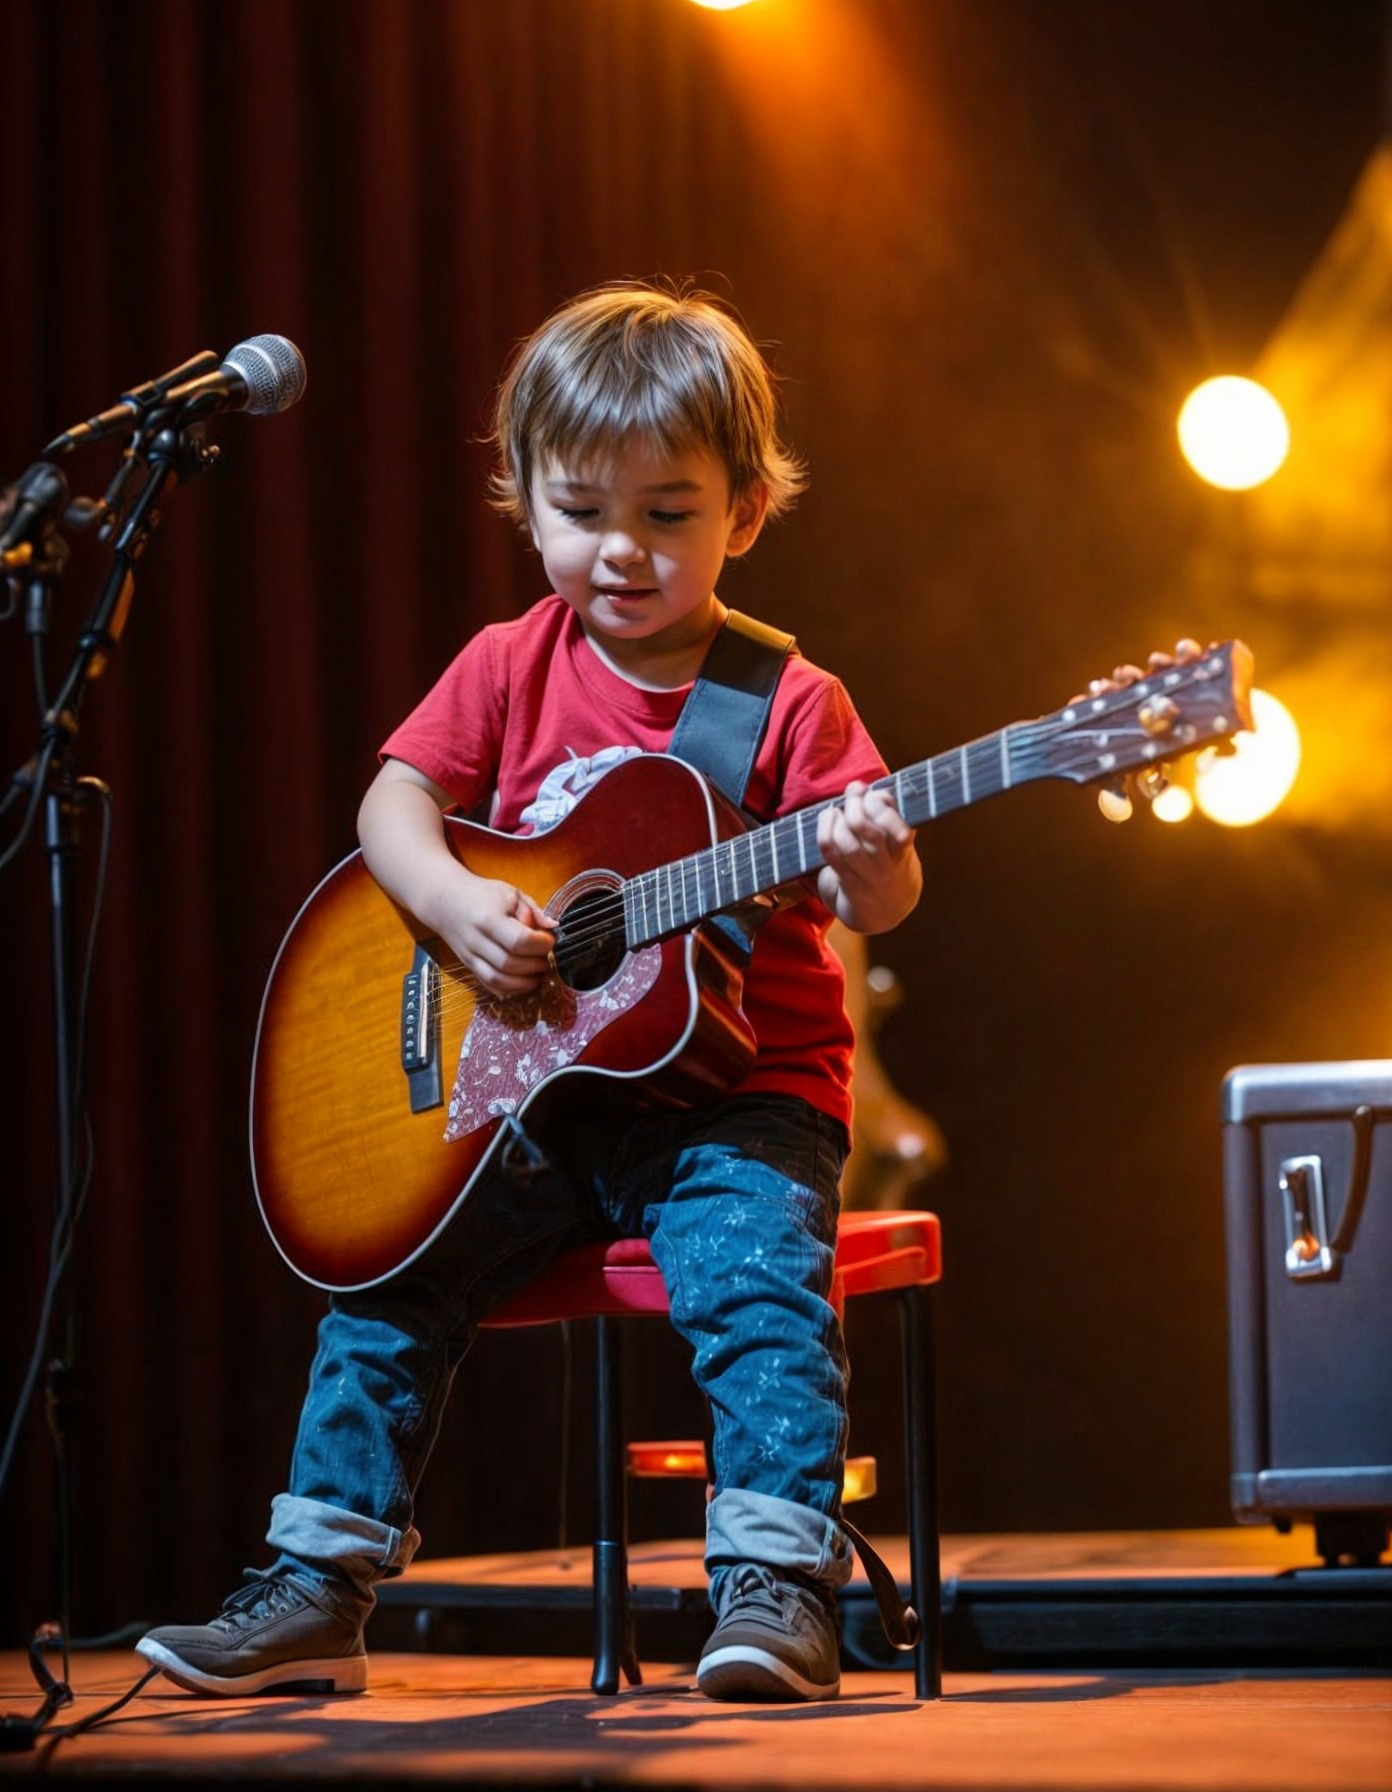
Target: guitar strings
{"x": 604, "y": 920}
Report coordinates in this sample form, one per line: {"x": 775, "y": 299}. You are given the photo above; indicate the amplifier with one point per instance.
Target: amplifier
{"x": 1307, "y": 1178}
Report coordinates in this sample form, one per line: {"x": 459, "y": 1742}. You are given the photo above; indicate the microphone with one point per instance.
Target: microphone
{"x": 262, "y": 375}
{"x": 40, "y": 491}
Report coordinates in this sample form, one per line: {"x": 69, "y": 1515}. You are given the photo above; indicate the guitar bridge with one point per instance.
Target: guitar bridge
{"x": 420, "y": 1032}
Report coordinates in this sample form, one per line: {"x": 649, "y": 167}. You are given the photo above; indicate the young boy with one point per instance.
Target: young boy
{"x": 638, "y": 444}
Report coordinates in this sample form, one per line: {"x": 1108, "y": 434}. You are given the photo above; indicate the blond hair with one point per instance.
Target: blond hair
{"x": 668, "y": 364}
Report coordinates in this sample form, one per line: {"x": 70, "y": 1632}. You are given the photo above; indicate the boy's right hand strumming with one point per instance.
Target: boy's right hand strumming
{"x": 495, "y": 930}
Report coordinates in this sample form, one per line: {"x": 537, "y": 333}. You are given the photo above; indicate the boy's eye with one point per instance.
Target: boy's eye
{"x": 576, "y": 516}
{"x": 671, "y": 516}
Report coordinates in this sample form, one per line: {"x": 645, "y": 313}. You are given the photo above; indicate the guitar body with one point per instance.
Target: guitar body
{"x": 377, "y": 1103}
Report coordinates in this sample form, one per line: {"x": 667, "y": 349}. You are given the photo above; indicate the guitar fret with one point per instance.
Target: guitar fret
{"x": 982, "y": 764}
{"x": 766, "y": 871}
{"x": 753, "y": 881}
{"x": 1005, "y": 758}
{"x": 751, "y": 870}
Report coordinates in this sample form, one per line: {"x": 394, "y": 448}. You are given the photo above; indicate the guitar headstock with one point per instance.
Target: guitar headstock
{"x": 1172, "y": 710}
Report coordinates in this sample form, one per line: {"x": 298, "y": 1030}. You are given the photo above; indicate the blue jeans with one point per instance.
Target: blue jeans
{"x": 739, "y": 1202}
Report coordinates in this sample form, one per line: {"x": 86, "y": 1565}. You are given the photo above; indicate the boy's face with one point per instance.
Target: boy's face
{"x": 635, "y": 546}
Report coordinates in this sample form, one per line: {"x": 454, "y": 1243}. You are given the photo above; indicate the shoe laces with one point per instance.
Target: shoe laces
{"x": 754, "y": 1588}
{"x": 264, "y": 1596}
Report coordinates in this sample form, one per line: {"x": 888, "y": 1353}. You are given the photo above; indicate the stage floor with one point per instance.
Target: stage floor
{"x": 492, "y": 1719}
{"x": 1240, "y": 1597}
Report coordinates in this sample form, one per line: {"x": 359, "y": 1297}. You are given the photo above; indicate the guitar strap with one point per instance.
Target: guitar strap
{"x": 719, "y": 731}
{"x": 722, "y": 725}
{"x": 724, "y": 720}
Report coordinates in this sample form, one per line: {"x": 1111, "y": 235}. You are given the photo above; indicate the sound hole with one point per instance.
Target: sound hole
{"x": 590, "y": 941}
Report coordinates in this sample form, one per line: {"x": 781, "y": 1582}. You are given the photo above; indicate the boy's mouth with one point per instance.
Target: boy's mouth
{"x": 625, "y": 591}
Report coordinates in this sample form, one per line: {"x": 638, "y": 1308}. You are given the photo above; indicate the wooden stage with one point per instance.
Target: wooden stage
{"x": 491, "y": 1719}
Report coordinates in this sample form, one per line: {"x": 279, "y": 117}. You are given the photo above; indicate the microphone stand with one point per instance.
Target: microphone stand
{"x": 173, "y": 451}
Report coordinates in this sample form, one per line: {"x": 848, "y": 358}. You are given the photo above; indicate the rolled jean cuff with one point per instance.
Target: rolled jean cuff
{"x": 758, "y": 1527}
{"x": 361, "y": 1550}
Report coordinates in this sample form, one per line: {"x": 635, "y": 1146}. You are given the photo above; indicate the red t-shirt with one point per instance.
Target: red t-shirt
{"x": 527, "y": 717}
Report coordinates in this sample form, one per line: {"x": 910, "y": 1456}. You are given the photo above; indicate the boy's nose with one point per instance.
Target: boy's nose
{"x": 621, "y": 548}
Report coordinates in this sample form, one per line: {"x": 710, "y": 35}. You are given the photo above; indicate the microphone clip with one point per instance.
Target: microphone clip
{"x": 135, "y": 409}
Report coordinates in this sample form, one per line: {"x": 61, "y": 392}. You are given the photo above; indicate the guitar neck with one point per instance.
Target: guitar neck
{"x": 1121, "y": 726}
{"x": 676, "y": 896}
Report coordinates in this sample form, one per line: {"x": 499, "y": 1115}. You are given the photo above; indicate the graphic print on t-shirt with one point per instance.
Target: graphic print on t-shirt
{"x": 563, "y": 786}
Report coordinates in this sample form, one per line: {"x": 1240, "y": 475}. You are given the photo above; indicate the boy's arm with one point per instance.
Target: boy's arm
{"x": 497, "y": 933}
{"x": 872, "y": 877}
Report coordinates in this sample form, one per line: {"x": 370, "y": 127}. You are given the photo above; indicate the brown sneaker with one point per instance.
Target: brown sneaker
{"x": 775, "y": 1639}
{"x": 270, "y": 1636}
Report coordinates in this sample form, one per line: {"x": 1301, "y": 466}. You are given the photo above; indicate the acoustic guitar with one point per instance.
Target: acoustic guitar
{"x": 384, "y": 1074}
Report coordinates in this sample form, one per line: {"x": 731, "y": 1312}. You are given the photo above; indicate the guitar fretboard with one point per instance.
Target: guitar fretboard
{"x": 1114, "y": 730}
{"x": 676, "y": 896}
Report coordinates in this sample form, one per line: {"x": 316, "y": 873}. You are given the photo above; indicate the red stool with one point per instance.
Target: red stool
{"x": 876, "y": 1253}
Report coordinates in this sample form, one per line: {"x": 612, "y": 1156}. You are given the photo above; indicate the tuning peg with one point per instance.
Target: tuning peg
{"x": 1114, "y": 800}
{"x": 1157, "y": 715}
{"x": 1150, "y": 782}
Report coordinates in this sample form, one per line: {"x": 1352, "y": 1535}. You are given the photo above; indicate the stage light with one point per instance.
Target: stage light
{"x": 721, "y": 5}
{"x": 1174, "y": 803}
{"x": 1244, "y": 785}
{"x": 1233, "y": 433}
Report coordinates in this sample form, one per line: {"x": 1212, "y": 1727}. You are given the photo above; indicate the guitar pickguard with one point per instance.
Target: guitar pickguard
{"x": 514, "y": 1042}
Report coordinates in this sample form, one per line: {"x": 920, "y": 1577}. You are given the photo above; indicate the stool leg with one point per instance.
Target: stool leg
{"x": 613, "y": 1612}
{"x": 921, "y": 1454}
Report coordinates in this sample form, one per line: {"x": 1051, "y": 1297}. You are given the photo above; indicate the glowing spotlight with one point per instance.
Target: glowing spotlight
{"x": 1233, "y": 433}
{"x": 1174, "y": 803}
{"x": 722, "y": 5}
{"x": 1241, "y": 787}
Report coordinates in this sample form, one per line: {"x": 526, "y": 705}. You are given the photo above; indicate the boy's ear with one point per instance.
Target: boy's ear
{"x": 747, "y": 518}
